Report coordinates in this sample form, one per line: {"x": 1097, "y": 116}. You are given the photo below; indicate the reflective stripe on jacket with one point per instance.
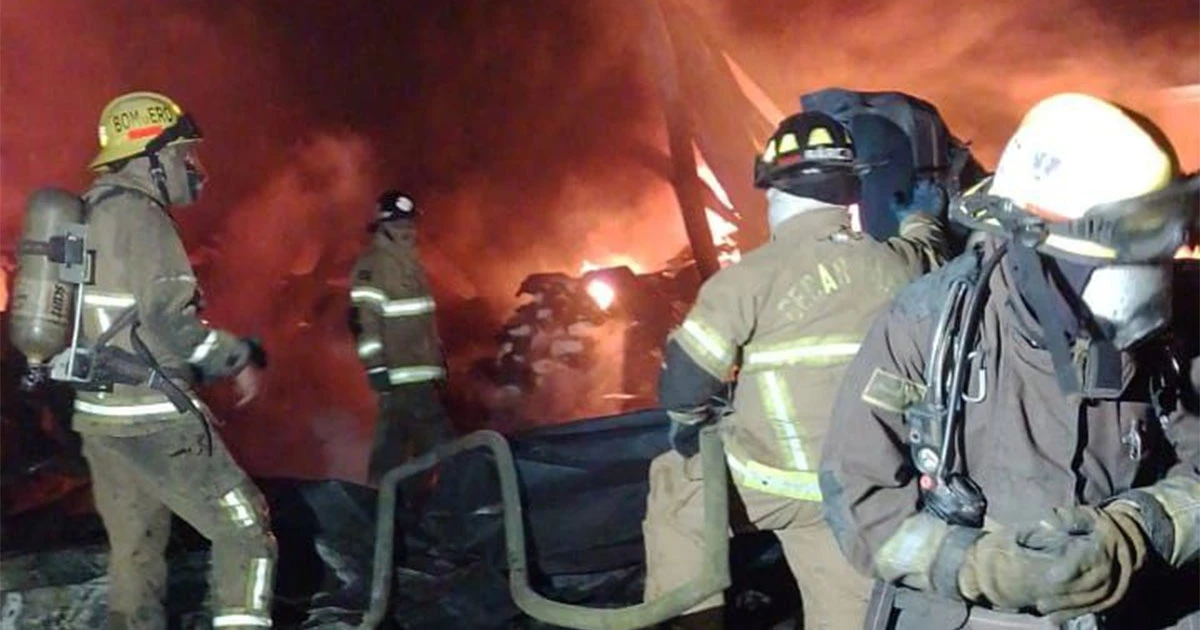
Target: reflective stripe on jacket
{"x": 394, "y": 311}
{"x": 787, "y": 319}
{"x": 140, "y": 263}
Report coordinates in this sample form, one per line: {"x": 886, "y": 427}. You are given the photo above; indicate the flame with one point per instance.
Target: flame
{"x": 601, "y": 293}
{"x": 614, "y": 260}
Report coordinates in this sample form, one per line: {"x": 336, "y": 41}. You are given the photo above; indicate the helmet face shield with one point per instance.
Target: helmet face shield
{"x": 1129, "y": 303}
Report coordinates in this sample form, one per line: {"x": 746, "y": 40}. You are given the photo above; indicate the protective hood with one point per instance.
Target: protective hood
{"x": 782, "y": 206}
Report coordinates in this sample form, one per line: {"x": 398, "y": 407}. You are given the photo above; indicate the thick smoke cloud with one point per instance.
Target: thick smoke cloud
{"x": 527, "y": 131}
{"x": 982, "y": 63}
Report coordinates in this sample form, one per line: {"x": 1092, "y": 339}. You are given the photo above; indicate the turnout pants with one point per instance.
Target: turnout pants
{"x": 834, "y": 595}
{"x": 411, "y": 422}
{"x": 138, "y": 482}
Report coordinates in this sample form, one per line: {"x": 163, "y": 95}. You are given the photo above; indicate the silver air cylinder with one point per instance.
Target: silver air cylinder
{"x": 42, "y": 305}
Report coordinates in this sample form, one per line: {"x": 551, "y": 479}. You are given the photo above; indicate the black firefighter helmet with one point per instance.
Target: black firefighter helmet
{"x": 809, "y": 155}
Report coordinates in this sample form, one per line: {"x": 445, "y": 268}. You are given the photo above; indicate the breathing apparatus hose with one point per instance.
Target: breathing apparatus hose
{"x": 161, "y": 382}
{"x": 962, "y": 351}
{"x": 712, "y": 579}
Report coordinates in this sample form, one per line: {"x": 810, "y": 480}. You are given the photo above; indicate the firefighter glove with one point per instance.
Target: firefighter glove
{"x": 927, "y": 197}
{"x": 1116, "y": 534}
{"x": 257, "y": 353}
{"x": 1031, "y": 568}
{"x": 377, "y": 377}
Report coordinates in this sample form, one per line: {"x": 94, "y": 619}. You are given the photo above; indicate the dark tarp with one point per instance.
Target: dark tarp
{"x": 584, "y": 489}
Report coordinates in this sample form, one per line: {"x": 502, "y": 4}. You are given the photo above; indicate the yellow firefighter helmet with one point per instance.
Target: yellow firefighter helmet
{"x": 1073, "y": 152}
{"x": 130, "y": 121}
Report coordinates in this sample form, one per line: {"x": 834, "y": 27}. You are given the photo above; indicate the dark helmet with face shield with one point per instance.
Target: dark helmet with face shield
{"x": 1096, "y": 191}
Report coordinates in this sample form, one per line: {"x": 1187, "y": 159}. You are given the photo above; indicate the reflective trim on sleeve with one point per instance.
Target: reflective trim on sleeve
{"x": 392, "y": 308}
{"x": 781, "y": 413}
{"x": 814, "y": 351}
{"x": 709, "y": 349}
{"x": 415, "y": 374}
{"x": 369, "y": 347}
{"x": 370, "y": 295}
{"x": 239, "y": 508}
{"x": 241, "y": 619}
{"x": 148, "y": 409}
{"x": 204, "y": 348}
{"x": 407, "y": 307}
{"x": 795, "y": 484}
{"x": 108, "y": 299}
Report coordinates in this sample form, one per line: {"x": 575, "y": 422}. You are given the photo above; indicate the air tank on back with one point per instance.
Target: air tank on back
{"x": 42, "y": 302}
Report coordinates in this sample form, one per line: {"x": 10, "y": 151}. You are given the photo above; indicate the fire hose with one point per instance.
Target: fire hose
{"x": 712, "y": 578}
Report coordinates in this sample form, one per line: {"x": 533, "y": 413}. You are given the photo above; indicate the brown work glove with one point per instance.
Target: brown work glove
{"x": 1031, "y": 568}
{"x": 1116, "y": 532}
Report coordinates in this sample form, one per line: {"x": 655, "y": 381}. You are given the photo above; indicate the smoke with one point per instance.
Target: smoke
{"x": 982, "y": 63}
{"x": 529, "y": 134}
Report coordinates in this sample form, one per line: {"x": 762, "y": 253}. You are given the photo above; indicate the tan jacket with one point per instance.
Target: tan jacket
{"x": 139, "y": 262}
{"x": 788, "y": 318}
{"x": 394, "y": 310}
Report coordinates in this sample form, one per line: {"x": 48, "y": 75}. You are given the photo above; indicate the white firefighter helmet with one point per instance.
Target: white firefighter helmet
{"x": 1073, "y": 152}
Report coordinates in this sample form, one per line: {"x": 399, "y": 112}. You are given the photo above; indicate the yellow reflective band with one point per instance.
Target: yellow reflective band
{"x": 415, "y": 374}
{"x": 795, "y": 484}
{"x": 788, "y": 143}
{"x": 369, "y": 347}
{"x": 108, "y": 300}
{"x": 781, "y": 415}
{"x": 819, "y": 136}
{"x": 815, "y": 351}
{"x": 149, "y": 409}
{"x": 241, "y": 619}
{"x": 204, "y": 347}
{"x": 239, "y": 508}
{"x": 412, "y": 306}
{"x": 367, "y": 294}
{"x": 256, "y": 585}
{"x": 709, "y": 349}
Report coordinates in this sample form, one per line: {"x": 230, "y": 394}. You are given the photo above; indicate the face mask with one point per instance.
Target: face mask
{"x": 1129, "y": 303}
{"x": 196, "y": 175}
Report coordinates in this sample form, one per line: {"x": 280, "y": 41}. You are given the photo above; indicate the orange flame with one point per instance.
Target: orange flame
{"x": 601, "y": 293}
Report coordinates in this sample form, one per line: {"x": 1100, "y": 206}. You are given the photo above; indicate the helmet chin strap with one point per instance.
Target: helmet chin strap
{"x": 159, "y": 175}
{"x": 1034, "y": 287}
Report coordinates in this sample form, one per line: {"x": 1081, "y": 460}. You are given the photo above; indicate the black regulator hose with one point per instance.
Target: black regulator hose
{"x": 174, "y": 393}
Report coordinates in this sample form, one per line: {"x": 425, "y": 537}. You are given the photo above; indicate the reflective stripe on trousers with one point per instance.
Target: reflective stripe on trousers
{"x": 796, "y": 484}
{"x": 125, "y": 411}
{"x": 239, "y": 507}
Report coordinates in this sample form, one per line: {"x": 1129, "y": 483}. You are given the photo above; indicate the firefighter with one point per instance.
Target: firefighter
{"x": 1012, "y": 445}
{"x": 787, "y": 318}
{"x": 392, "y": 318}
{"x": 148, "y": 457}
